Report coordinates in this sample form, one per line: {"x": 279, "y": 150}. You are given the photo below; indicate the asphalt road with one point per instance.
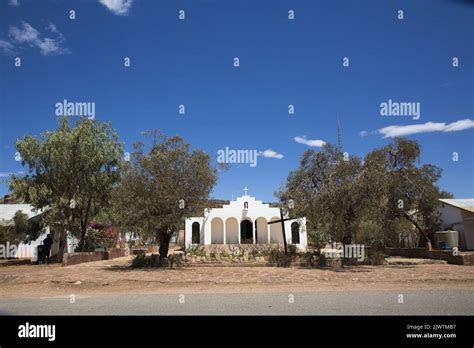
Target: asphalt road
{"x": 419, "y": 302}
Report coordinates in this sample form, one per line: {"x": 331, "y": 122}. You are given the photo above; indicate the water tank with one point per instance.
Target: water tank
{"x": 447, "y": 239}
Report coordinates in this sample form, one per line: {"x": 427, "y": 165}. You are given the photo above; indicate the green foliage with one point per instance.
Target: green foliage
{"x": 143, "y": 261}
{"x": 375, "y": 257}
{"x": 279, "y": 258}
{"x": 344, "y": 197}
{"x": 19, "y": 229}
{"x": 325, "y": 189}
{"x": 317, "y": 239}
{"x": 21, "y": 222}
{"x": 99, "y": 237}
{"x": 8, "y": 234}
{"x": 292, "y": 249}
{"x": 394, "y": 229}
{"x": 154, "y": 260}
{"x": 309, "y": 258}
{"x": 322, "y": 260}
{"x": 196, "y": 251}
{"x": 70, "y": 172}
{"x": 161, "y": 186}
{"x": 370, "y": 234}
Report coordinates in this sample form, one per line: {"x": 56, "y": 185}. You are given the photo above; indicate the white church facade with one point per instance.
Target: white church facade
{"x": 244, "y": 221}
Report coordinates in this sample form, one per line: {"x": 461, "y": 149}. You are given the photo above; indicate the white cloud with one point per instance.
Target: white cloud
{"x": 459, "y": 125}
{"x": 14, "y": 3}
{"x": 5, "y": 175}
{"x": 119, "y": 7}
{"x": 363, "y": 133}
{"x": 398, "y": 131}
{"x": 26, "y": 34}
{"x": 52, "y": 28}
{"x": 271, "y": 154}
{"x": 7, "y": 47}
{"x": 309, "y": 142}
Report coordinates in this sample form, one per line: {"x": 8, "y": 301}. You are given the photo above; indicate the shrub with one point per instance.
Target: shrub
{"x": 370, "y": 234}
{"x": 279, "y": 258}
{"x": 196, "y": 251}
{"x": 322, "y": 260}
{"x": 308, "y": 259}
{"x": 375, "y": 257}
{"x": 292, "y": 250}
{"x": 142, "y": 261}
{"x": 153, "y": 260}
{"x": 317, "y": 239}
{"x": 98, "y": 236}
{"x": 175, "y": 260}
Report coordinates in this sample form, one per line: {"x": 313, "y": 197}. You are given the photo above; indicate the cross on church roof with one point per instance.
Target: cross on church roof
{"x": 245, "y": 190}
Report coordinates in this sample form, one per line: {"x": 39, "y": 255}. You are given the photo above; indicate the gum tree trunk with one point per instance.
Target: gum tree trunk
{"x": 164, "y": 240}
{"x": 62, "y": 244}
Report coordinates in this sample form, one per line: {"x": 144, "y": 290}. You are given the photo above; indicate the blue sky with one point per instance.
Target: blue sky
{"x": 282, "y": 62}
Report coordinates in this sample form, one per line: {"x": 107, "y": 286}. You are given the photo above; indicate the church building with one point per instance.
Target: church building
{"x": 244, "y": 221}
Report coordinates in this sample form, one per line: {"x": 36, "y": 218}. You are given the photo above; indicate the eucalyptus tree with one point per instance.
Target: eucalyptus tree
{"x": 162, "y": 185}
{"x": 408, "y": 189}
{"x": 325, "y": 188}
{"x": 70, "y": 173}
{"x": 341, "y": 194}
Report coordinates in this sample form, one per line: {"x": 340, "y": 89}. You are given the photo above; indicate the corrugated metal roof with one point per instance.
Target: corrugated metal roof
{"x": 461, "y": 203}
{"x": 7, "y": 211}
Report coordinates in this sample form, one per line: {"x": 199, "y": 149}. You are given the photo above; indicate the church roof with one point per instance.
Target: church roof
{"x": 461, "y": 203}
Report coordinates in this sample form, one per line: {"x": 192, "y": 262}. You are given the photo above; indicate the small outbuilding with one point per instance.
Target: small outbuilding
{"x": 458, "y": 215}
{"x": 28, "y": 250}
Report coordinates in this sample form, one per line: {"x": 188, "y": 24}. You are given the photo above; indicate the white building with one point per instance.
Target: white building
{"x": 28, "y": 250}
{"x": 458, "y": 215}
{"x": 244, "y": 221}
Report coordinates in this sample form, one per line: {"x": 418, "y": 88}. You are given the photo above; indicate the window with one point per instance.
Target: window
{"x": 195, "y": 237}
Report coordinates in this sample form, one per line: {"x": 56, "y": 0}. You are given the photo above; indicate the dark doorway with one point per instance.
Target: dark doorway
{"x": 295, "y": 233}
{"x": 246, "y": 232}
{"x": 195, "y": 236}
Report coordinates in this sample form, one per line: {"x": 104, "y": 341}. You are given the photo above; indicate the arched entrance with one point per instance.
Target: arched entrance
{"x": 295, "y": 233}
{"x": 262, "y": 230}
{"x": 217, "y": 231}
{"x": 195, "y": 236}
{"x": 276, "y": 232}
{"x": 232, "y": 231}
{"x": 246, "y": 232}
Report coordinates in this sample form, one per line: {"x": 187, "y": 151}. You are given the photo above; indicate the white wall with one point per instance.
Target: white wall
{"x": 28, "y": 250}
{"x": 461, "y": 221}
{"x": 188, "y": 231}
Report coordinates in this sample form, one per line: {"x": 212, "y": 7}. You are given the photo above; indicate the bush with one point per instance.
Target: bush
{"x": 322, "y": 260}
{"x": 317, "y": 239}
{"x": 375, "y": 257}
{"x": 308, "y": 259}
{"x": 332, "y": 262}
{"x": 142, "y": 261}
{"x": 175, "y": 260}
{"x": 370, "y": 234}
{"x": 279, "y": 258}
{"x": 196, "y": 251}
{"x": 292, "y": 249}
{"x": 153, "y": 260}
{"x": 98, "y": 236}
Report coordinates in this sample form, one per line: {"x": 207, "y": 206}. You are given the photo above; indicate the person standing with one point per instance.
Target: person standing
{"x": 47, "y": 242}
